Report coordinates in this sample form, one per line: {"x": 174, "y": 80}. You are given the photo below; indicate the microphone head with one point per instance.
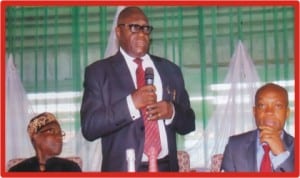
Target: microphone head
{"x": 130, "y": 154}
{"x": 149, "y": 76}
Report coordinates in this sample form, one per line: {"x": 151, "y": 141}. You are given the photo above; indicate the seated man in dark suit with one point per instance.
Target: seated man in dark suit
{"x": 246, "y": 152}
{"x": 46, "y": 137}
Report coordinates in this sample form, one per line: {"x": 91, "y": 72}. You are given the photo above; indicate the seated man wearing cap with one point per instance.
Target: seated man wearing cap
{"x": 46, "y": 137}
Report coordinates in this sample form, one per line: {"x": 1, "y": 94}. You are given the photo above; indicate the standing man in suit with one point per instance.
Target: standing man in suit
{"x": 245, "y": 152}
{"x": 115, "y": 108}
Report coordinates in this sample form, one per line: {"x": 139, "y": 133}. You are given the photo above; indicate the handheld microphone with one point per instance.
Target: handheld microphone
{"x": 149, "y": 76}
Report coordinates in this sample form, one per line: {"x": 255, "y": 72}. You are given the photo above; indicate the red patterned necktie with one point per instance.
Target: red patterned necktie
{"x": 266, "y": 162}
{"x": 152, "y": 146}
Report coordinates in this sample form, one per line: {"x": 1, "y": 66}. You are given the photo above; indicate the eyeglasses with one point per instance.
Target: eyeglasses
{"x": 55, "y": 132}
{"x": 135, "y": 28}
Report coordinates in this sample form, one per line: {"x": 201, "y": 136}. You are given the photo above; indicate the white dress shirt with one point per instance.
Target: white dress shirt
{"x": 135, "y": 113}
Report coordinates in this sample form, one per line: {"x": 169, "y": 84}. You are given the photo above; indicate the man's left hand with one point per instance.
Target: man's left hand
{"x": 159, "y": 110}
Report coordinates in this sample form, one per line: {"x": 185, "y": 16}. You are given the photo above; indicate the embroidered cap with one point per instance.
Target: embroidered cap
{"x": 40, "y": 121}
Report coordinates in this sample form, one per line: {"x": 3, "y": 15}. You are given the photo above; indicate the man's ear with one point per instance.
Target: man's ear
{"x": 253, "y": 110}
{"x": 117, "y": 31}
{"x": 287, "y": 115}
{"x": 35, "y": 140}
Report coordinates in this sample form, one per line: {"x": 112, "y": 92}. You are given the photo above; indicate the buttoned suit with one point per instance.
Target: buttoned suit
{"x": 105, "y": 113}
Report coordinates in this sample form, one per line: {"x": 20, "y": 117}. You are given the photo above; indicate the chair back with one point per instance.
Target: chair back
{"x": 216, "y": 161}
{"x": 183, "y": 161}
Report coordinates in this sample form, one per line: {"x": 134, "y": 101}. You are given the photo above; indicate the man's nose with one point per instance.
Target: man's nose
{"x": 269, "y": 109}
{"x": 141, "y": 33}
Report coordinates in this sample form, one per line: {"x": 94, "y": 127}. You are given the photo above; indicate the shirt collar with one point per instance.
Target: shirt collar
{"x": 127, "y": 57}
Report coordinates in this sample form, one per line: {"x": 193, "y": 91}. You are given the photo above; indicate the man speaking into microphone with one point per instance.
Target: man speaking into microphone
{"x": 135, "y": 100}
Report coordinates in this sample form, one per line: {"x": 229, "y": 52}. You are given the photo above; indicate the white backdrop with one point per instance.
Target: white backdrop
{"x": 234, "y": 100}
{"x": 18, "y": 114}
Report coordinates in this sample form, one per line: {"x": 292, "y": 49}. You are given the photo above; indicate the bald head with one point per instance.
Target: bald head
{"x": 272, "y": 87}
{"x": 130, "y": 12}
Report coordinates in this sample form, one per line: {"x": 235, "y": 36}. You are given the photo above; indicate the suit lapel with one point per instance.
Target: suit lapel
{"x": 287, "y": 140}
{"x": 251, "y": 150}
{"x": 163, "y": 73}
{"x": 121, "y": 70}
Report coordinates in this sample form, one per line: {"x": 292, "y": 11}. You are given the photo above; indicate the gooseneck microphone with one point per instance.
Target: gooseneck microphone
{"x": 149, "y": 76}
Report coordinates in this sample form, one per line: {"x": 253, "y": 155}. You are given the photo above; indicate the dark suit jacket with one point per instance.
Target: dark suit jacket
{"x": 105, "y": 114}
{"x": 52, "y": 165}
{"x": 240, "y": 153}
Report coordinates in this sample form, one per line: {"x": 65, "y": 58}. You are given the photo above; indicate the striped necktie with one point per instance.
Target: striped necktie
{"x": 152, "y": 146}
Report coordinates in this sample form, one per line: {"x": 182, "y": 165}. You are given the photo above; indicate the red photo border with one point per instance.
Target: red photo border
{"x": 5, "y": 4}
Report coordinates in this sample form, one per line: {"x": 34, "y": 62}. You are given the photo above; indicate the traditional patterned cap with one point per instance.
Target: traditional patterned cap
{"x": 39, "y": 122}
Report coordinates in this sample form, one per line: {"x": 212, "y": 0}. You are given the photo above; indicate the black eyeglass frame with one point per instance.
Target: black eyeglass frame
{"x": 135, "y": 28}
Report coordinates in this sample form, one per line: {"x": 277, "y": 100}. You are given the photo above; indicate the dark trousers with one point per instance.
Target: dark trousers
{"x": 163, "y": 165}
